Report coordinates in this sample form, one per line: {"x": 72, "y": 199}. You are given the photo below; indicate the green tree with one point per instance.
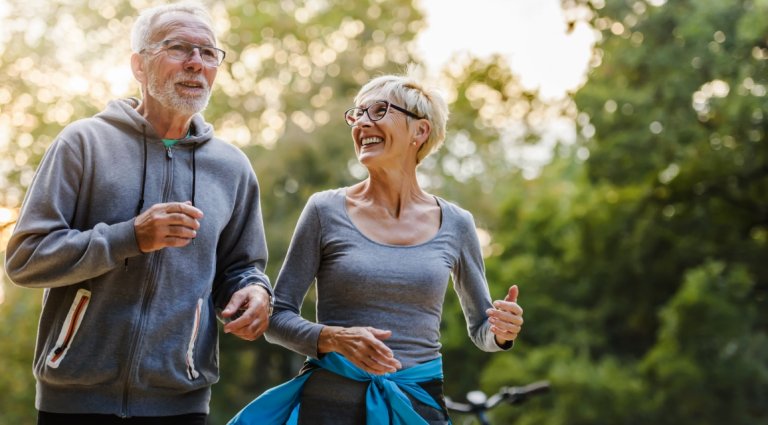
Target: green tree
{"x": 643, "y": 245}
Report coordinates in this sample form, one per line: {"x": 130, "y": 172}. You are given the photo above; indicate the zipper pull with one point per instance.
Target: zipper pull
{"x": 169, "y": 152}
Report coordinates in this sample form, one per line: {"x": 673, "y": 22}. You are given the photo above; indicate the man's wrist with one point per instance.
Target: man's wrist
{"x": 270, "y": 301}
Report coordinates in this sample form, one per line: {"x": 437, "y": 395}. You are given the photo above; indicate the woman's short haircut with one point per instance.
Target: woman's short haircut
{"x": 143, "y": 28}
{"x": 416, "y": 97}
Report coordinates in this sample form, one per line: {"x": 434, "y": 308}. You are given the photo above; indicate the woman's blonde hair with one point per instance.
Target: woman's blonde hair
{"x": 416, "y": 97}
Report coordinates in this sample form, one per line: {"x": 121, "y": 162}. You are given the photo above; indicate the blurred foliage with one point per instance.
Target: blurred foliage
{"x": 639, "y": 249}
{"x": 18, "y": 327}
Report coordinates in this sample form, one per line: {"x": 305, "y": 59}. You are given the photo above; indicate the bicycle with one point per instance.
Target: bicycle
{"x": 478, "y": 403}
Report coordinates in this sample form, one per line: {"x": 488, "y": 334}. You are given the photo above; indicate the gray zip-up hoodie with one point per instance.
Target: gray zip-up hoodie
{"x": 123, "y": 332}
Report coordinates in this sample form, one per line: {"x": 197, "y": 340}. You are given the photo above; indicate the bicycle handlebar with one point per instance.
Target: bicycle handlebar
{"x": 511, "y": 395}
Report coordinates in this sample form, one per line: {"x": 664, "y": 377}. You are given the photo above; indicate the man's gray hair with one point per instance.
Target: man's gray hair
{"x": 141, "y": 35}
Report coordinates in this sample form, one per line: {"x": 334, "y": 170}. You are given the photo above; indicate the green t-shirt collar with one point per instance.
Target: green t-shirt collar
{"x": 170, "y": 142}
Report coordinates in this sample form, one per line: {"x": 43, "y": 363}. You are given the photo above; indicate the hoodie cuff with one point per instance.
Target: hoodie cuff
{"x": 123, "y": 240}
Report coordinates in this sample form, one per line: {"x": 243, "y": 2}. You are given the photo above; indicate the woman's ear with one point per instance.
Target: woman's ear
{"x": 421, "y": 132}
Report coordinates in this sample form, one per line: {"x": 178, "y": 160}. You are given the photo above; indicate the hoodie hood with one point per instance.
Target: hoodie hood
{"x": 122, "y": 113}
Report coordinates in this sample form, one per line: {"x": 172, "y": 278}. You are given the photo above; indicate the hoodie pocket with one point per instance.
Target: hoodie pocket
{"x": 191, "y": 371}
{"x": 69, "y": 328}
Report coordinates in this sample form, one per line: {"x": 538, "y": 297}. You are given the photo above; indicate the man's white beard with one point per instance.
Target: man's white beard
{"x": 166, "y": 94}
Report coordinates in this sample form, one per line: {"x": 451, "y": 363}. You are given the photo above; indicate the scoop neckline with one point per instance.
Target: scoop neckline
{"x": 384, "y": 244}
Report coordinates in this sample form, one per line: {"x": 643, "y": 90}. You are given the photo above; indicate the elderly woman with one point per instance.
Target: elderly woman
{"x": 382, "y": 252}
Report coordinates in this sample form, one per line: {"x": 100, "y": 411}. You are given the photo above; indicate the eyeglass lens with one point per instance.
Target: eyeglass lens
{"x": 375, "y": 111}
{"x": 181, "y": 50}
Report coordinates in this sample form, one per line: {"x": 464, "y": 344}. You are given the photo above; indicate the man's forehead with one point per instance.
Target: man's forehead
{"x": 182, "y": 23}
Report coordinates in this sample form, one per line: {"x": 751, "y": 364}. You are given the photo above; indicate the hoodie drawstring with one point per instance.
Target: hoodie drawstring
{"x": 144, "y": 177}
{"x": 194, "y": 173}
{"x": 144, "y": 173}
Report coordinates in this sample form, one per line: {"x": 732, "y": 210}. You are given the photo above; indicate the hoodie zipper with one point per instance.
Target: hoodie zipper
{"x": 137, "y": 334}
{"x": 154, "y": 267}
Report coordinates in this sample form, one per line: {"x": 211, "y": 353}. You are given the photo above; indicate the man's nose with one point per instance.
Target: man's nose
{"x": 194, "y": 59}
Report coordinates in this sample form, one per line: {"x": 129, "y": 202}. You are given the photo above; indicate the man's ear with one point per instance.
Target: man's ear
{"x": 137, "y": 67}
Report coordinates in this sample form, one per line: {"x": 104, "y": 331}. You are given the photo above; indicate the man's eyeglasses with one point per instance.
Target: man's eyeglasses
{"x": 181, "y": 50}
{"x": 376, "y": 111}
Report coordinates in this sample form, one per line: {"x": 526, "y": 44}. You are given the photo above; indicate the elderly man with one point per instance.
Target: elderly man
{"x": 143, "y": 227}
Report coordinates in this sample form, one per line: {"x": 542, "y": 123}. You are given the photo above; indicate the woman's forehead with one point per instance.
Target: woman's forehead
{"x": 373, "y": 96}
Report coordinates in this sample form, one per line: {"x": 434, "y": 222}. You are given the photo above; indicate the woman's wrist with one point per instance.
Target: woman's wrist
{"x": 325, "y": 342}
{"x": 503, "y": 343}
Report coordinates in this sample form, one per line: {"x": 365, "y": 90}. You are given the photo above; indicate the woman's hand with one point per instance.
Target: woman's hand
{"x": 507, "y": 318}
{"x": 362, "y": 346}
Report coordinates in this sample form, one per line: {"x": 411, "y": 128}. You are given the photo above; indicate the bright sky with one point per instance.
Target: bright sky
{"x": 530, "y": 33}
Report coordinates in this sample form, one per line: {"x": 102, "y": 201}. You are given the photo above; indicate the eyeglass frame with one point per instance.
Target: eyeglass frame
{"x": 164, "y": 46}
{"x": 389, "y": 105}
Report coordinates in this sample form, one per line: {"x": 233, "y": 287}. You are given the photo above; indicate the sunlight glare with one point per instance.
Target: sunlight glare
{"x": 531, "y": 34}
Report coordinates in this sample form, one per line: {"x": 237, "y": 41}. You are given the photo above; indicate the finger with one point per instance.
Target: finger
{"x": 177, "y": 231}
{"x": 379, "y": 333}
{"x": 509, "y": 316}
{"x": 512, "y": 294}
{"x": 508, "y": 334}
{"x": 251, "y": 317}
{"x": 375, "y": 355}
{"x": 385, "y": 358}
{"x": 187, "y": 209}
{"x": 381, "y": 348}
{"x": 506, "y": 306}
{"x": 506, "y": 326}
{"x": 372, "y": 365}
{"x": 501, "y": 326}
{"x": 247, "y": 326}
{"x": 175, "y": 242}
{"x": 385, "y": 363}
{"x": 250, "y": 331}
{"x": 236, "y": 302}
{"x": 181, "y": 220}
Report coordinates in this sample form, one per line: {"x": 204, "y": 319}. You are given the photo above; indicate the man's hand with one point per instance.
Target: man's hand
{"x": 172, "y": 224}
{"x": 249, "y": 310}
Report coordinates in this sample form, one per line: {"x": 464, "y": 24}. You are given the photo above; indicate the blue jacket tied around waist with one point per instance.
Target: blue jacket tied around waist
{"x": 386, "y": 402}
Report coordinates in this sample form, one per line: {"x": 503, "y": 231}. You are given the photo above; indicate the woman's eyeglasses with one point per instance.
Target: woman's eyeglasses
{"x": 376, "y": 111}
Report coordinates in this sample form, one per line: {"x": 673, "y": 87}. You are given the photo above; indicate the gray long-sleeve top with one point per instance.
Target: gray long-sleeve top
{"x": 361, "y": 282}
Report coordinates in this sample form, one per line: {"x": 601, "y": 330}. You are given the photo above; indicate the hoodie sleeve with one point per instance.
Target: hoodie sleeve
{"x": 45, "y": 250}
{"x": 242, "y": 249}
